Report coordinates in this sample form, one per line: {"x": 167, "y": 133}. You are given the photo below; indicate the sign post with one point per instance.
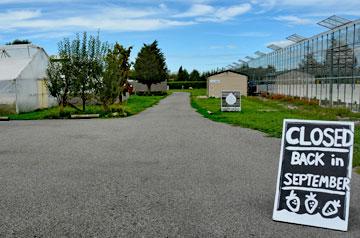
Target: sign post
{"x": 230, "y": 101}
{"x": 313, "y": 185}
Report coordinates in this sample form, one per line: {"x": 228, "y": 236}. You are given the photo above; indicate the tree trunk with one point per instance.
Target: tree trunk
{"x": 106, "y": 107}
{"x": 149, "y": 88}
{"x": 61, "y": 107}
{"x": 83, "y": 98}
{"x": 73, "y": 106}
{"x": 120, "y": 97}
{"x": 62, "y": 103}
{"x": 64, "y": 99}
{"x": 83, "y": 104}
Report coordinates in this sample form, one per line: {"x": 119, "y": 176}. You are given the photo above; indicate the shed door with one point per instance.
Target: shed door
{"x": 42, "y": 94}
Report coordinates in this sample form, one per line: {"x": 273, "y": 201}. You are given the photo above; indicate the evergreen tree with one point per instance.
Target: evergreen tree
{"x": 186, "y": 75}
{"x": 203, "y": 77}
{"x": 195, "y": 75}
{"x": 19, "y": 42}
{"x": 183, "y": 74}
{"x": 150, "y": 66}
{"x": 180, "y": 74}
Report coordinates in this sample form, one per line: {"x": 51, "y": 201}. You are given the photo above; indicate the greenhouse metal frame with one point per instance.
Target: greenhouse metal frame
{"x": 325, "y": 67}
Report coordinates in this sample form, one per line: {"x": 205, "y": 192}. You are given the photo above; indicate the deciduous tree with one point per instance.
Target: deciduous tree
{"x": 117, "y": 67}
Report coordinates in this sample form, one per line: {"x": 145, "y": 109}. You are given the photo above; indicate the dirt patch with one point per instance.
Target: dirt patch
{"x": 6, "y": 109}
{"x": 343, "y": 118}
{"x": 292, "y": 107}
{"x": 268, "y": 110}
{"x": 263, "y": 99}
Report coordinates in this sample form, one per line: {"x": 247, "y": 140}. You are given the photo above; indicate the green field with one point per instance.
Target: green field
{"x": 267, "y": 115}
{"x": 134, "y": 105}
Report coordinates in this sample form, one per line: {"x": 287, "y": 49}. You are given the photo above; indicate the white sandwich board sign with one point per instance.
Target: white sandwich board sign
{"x": 313, "y": 184}
{"x": 230, "y": 101}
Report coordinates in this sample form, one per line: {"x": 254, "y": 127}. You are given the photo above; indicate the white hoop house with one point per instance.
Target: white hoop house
{"x": 22, "y": 74}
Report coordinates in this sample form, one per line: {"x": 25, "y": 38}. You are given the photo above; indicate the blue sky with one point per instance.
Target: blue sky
{"x": 197, "y": 34}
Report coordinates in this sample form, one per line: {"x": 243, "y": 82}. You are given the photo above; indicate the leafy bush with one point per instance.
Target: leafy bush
{"x": 187, "y": 84}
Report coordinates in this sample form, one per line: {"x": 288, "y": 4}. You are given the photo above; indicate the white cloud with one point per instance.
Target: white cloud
{"x": 197, "y": 10}
{"x": 294, "y": 20}
{"x": 9, "y": 16}
{"x": 119, "y": 25}
{"x": 311, "y": 7}
{"x": 108, "y": 19}
{"x": 163, "y": 6}
{"x": 47, "y": 35}
{"x": 130, "y": 13}
{"x": 311, "y": 3}
{"x": 316, "y": 3}
{"x": 113, "y": 17}
{"x": 33, "y": 1}
{"x": 225, "y": 13}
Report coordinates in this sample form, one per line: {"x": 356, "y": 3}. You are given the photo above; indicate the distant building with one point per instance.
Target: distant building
{"x": 141, "y": 88}
{"x": 22, "y": 74}
{"x": 292, "y": 82}
{"x": 227, "y": 80}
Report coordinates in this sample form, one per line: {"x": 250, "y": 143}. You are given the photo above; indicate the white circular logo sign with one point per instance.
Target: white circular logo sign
{"x": 231, "y": 99}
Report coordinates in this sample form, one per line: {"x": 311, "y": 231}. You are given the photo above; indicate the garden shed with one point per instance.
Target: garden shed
{"x": 226, "y": 80}
{"x": 22, "y": 78}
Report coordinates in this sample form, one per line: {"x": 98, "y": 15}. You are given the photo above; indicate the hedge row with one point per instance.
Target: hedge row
{"x": 186, "y": 84}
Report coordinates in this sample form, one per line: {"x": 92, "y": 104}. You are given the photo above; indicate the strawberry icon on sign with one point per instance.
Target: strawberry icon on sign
{"x": 331, "y": 208}
{"x": 293, "y": 202}
{"x": 311, "y": 203}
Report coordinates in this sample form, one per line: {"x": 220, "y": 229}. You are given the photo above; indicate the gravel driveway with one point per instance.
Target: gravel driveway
{"x": 166, "y": 172}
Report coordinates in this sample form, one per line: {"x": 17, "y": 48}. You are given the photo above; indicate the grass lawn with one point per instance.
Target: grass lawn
{"x": 134, "y": 105}
{"x": 267, "y": 115}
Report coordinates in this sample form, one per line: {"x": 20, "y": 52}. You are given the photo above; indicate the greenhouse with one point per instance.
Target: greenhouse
{"x": 325, "y": 67}
{"x": 22, "y": 74}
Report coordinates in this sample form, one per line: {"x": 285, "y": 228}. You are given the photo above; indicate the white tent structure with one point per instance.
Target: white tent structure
{"x": 22, "y": 74}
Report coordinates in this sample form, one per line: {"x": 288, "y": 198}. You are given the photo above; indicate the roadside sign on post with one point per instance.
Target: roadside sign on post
{"x": 313, "y": 184}
{"x": 230, "y": 101}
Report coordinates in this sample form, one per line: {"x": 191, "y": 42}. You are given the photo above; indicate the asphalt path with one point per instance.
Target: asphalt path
{"x": 166, "y": 172}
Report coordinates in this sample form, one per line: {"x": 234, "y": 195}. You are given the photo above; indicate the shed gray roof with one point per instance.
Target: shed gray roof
{"x": 14, "y": 59}
{"x": 227, "y": 71}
